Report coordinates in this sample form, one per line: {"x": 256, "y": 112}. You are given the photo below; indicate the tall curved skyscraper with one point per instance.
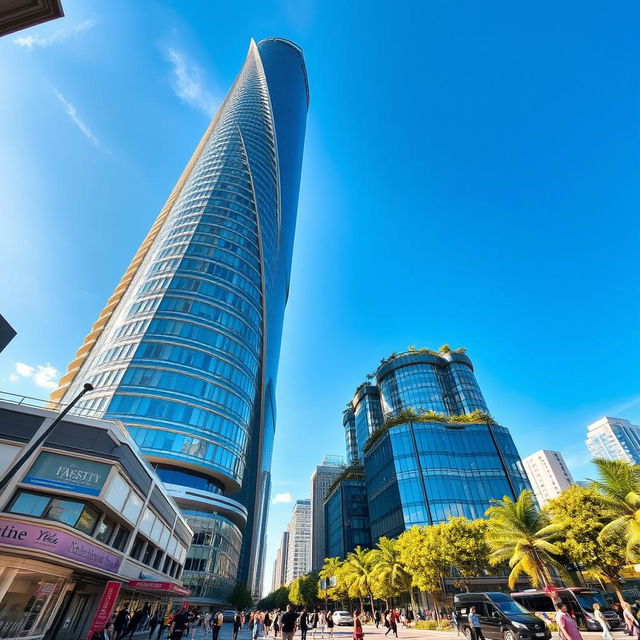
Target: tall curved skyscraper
{"x": 186, "y": 351}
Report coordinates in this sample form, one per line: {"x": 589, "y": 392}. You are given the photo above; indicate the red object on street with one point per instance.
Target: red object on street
{"x": 551, "y": 591}
{"x": 105, "y": 608}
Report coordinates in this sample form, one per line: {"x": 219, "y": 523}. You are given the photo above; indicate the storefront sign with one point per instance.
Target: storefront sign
{"x": 105, "y": 608}
{"x": 68, "y": 473}
{"x": 61, "y": 543}
{"x": 169, "y": 588}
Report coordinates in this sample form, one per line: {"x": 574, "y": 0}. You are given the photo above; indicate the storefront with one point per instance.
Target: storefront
{"x": 80, "y": 525}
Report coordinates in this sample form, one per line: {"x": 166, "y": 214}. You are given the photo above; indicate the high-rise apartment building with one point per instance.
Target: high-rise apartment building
{"x": 186, "y": 351}
{"x": 421, "y": 430}
{"x": 322, "y": 478}
{"x": 548, "y": 474}
{"x": 299, "y": 543}
{"x": 280, "y": 563}
{"x": 614, "y": 439}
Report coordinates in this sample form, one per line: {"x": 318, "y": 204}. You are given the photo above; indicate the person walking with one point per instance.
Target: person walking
{"x": 154, "y": 621}
{"x": 218, "y": 619}
{"x": 474, "y": 625}
{"x": 386, "y": 621}
{"x": 633, "y": 629}
{"x": 599, "y": 616}
{"x": 303, "y": 623}
{"x": 104, "y": 634}
{"x": 237, "y": 624}
{"x": 267, "y": 623}
{"x": 358, "y": 633}
{"x": 454, "y": 622}
{"x": 121, "y": 623}
{"x": 567, "y": 628}
{"x": 377, "y": 617}
{"x": 206, "y": 623}
{"x": 276, "y": 622}
{"x": 313, "y": 622}
{"x": 179, "y": 625}
{"x": 330, "y": 623}
{"x": 258, "y": 626}
{"x": 321, "y": 623}
{"x": 288, "y": 619}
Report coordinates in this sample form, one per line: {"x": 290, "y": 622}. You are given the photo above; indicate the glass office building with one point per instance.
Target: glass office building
{"x": 186, "y": 351}
{"x": 346, "y": 517}
{"x": 421, "y": 470}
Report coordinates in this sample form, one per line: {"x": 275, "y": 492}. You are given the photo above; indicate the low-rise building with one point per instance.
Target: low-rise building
{"x": 85, "y": 524}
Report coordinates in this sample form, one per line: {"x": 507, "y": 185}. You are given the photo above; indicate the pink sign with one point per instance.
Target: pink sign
{"x": 61, "y": 543}
{"x": 105, "y": 608}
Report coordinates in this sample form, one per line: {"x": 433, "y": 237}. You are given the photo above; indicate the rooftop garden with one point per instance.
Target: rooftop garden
{"x": 352, "y": 472}
{"x": 411, "y": 415}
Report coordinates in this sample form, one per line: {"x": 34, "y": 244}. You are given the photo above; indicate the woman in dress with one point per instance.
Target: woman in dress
{"x": 567, "y": 628}
{"x": 630, "y": 620}
{"x": 267, "y": 624}
{"x": 599, "y": 616}
{"x": 358, "y": 633}
{"x": 330, "y": 624}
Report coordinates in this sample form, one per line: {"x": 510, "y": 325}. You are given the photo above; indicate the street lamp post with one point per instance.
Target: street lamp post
{"x": 11, "y": 472}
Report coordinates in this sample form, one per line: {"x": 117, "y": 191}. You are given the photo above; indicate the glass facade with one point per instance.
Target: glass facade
{"x": 420, "y": 473}
{"x": 186, "y": 354}
{"x": 346, "y": 514}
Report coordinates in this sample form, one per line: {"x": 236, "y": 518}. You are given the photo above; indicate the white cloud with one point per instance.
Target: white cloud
{"x": 72, "y": 112}
{"x": 188, "y": 85}
{"x": 42, "y": 375}
{"x": 282, "y": 498}
{"x": 32, "y": 42}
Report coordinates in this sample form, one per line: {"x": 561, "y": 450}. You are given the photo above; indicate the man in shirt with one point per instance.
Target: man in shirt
{"x": 289, "y": 620}
{"x": 217, "y": 624}
{"x": 179, "y": 625}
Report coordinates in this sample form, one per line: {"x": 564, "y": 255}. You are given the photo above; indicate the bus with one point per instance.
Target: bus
{"x": 579, "y": 601}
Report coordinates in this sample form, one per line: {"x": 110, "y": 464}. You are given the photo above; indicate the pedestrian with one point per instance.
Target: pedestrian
{"x": 599, "y": 616}
{"x": 206, "y": 623}
{"x": 303, "y": 623}
{"x": 566, "y": 626}
{"x": 330, "y": 623}
{"x": 218, "y": 619}
{"x": 276, "y": 622}
{"x": 386, "y": 621}
{"x": 258, "y": 626}
{"x": 321, "y": 623}
{"x": 377, "y": 617}
{"x": 358, "y": 633}
{"x": 179, "y": 627}
{"x": 107, "y": 633}
{"x": 288, "y": 621}
{"x": 121, "y": 623}
{"x": 454, "y": 622}
{"x": 196, "y": 621}
{"x": 313, "y": 622}
{"x": 267, "y": 623}
{"x": 237, "y": 624}
{"x": 154, "y": 621}
{"x": 474, "y": 625}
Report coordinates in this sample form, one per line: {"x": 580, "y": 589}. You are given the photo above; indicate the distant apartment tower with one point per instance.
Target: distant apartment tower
{"x": 614, "y": 439}
{"x": 280, "y": 564}
{"x": 547, "y": 473}
{"x": 299, "y": 547}
{"x": 322, "y": 478}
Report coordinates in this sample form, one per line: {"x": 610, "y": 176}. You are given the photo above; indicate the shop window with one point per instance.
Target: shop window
{"x": 121, "y": 538}
{"x": 105, "y": 530}
{"x": 29, "y": 504}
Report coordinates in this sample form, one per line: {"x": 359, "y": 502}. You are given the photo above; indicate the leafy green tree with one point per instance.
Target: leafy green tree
{"x": 423, "y": 552}
{"x": 390, "y": 576}
{"x": 618, "y": 484}
{"x": 583, "y": 514}
{"x": 240, "y": 597}
{"x": 303, "y": 591}
{"x": 467, "y": 548}
{"x": 358, "y": 573}
{"x": 277, "y": 599}
{"x": 522, "y": 535}
{"x": 332, "y": 569}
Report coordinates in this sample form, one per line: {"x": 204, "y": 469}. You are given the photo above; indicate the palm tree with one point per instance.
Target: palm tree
{"x": 387, "y": 567}
{"x": 619, "y": 486}
{"x": 520, "y": 534}
{"x": 358, "y": 571}
{"x": 331, "y": 569}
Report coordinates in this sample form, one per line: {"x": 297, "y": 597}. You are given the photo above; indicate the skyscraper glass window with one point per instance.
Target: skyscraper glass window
{"x": 186, "y": 351}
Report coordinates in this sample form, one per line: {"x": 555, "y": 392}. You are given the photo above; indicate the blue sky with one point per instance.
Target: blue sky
{"x": 470, "y": 177}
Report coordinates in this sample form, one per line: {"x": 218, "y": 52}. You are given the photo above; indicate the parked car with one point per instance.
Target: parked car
{"x": 341, "y": 618}
{"x": 501, "y": 617}
{"x": 579, "y": 601}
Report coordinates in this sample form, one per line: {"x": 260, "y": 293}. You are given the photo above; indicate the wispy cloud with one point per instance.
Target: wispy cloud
{"x": 282, "y": 498}
{"x": 32, "y": 42}
{"x": 188, "y": 84}
{"x": 42, "y": 375}
{"x": 624, "y": 407}
{"x": 72, "y": 112}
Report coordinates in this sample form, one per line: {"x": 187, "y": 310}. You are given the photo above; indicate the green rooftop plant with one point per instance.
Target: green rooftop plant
{"x": 445, "y": 348}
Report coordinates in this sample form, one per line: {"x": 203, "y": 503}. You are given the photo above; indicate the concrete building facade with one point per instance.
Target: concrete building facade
{"x": 548, "y": 474}
{"x": 299, "y": 547}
